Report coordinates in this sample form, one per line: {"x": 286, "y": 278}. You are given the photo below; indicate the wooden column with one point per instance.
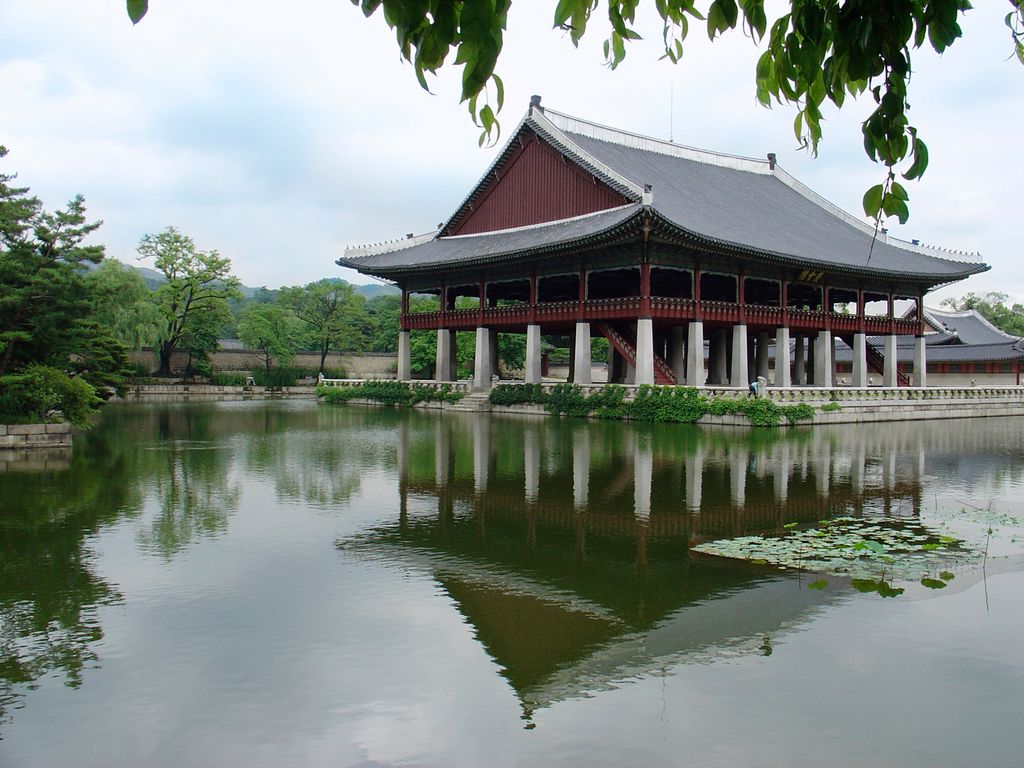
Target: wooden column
{"x": 405, "y": 310}
{"x": 698, "y": 315}
{"x": 533, "y": 297}
{"x": 645, "y": 290}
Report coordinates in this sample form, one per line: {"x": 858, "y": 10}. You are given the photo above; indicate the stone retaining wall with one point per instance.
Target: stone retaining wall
{"x": 854, "y": 406}
{"x": 175, "y": 393}
{"x": 23, "y": 436}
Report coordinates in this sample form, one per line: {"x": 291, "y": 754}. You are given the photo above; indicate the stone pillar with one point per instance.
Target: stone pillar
{"x": 695, "y": 354}
{"x": 763, "y": 340}
{"x": 531, "y": 463}
{"x": 645, "y": 351}
{"x": 643, "y": 467}
{"x": 920, "y": 375}
{"x": 533, "y": 369}
{"x": 404, "y": 357}
{"x": 678, "y": 344}
{"x": 751, "y": 357}
{"x": 482, "y": 360}
{"x": 443, "y": 364}
{"x": 580, "y": 468}
{"x": 823, "y": 469}
{"x": 799, "y": 361}
{"x": 481, "y": 454}
{"x": 738, "y": 462}
{"x": 453, "y": 345}
{"x": 832, "y": 355}
{"x": 889, "y": 378}
{"x": 782, "y": 466}
{"x": 811, "y": 366}
{"x": 694, "y": 479}
{"x": 823, "y": 360}
{"x": 719, "y": 359}
{"x": 782, "y": 375}
{"x": 572, "y": 355}
{"x": 495, "y": 367}
{"x": 581, "y": 358}
{"x": 860, "y": 360}
{"x": 442, "y": 453}
{"x": 740, "y": 375}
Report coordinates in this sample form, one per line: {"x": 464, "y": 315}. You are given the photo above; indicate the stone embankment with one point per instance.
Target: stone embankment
{"x": 839, "y": 405}
{"x": 17, "y": 436}
{"x": 35, "y": 447}
{"x": 179, "y": 393}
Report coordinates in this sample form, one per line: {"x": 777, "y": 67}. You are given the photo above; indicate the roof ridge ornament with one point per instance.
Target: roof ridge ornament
{"x": 648, "y": 196}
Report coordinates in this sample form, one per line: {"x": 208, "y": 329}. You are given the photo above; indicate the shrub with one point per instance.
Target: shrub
{"x": 40, "y": 392}
{"x": 282, "y": 376}
{"x": 390, "y": 393}
{"x": 232, "y": 379}
{"x": 831, "y": 407}
{"x": 512, "y": 394}
{"x": 679, "y": 405}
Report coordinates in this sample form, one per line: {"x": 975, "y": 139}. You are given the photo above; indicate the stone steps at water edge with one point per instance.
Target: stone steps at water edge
{"x": 474, "y": 401}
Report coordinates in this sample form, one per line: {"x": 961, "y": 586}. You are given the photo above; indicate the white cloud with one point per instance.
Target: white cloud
{"x": 278, "y": 136}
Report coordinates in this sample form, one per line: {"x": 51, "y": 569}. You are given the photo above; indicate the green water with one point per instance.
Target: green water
{"x": 284, "y": 584}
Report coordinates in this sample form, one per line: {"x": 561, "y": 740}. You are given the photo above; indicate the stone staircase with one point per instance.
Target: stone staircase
{"x": 474, "y": 401}
{"x": 663, "y": 373}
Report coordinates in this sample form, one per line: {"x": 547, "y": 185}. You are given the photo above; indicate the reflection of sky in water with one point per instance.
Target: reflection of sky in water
{"x": 282, "y": 635}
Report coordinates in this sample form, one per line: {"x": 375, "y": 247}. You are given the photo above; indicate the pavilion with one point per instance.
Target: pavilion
{"x": 582, "y": 230}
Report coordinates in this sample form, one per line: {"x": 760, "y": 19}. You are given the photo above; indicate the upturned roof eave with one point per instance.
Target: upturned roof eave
{"x": 595, "y": 238}
{"x": 669, "y": 229}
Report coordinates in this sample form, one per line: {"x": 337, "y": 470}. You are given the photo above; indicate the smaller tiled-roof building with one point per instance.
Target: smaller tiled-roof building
{"x": 963, "y": 348}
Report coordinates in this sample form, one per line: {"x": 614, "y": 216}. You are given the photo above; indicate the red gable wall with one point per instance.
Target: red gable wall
{"x": 535, "y": 185}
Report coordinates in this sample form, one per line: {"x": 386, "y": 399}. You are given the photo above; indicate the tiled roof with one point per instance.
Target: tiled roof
{"x": 447, "y": 252}
{"x": 969, "y": 326}
{"x": 750, "y": 207}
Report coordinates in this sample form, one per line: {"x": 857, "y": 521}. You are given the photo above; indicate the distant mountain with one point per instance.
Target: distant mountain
{"x": 371, "y": 291}
{"x": 154, "y": 279}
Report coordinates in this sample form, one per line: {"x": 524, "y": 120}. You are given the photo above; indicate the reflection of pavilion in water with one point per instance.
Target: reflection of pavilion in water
{"x": 564, "y": 544}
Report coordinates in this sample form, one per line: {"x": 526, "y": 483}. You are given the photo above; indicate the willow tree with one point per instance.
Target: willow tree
{"x": 198, "y": 284}
{"x": 816, "y": 50}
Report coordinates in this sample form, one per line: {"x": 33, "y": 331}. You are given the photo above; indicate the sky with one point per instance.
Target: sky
{"x": 278, "y": 134}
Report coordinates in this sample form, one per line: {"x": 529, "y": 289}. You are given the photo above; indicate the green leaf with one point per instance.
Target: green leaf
{"x": 920, "y": 164}
{"x": 933, "y": 583}
{"x": 886, "y": 590}
{"x": 137, "y": 9}
{"x": 946, "y": 576}
{"x": 819, "y": 584}
{"x": 864, "y": 585}
{"x": 873, "y": 201}
{"x": 872, "y": 546}
{"x": 893, "y": 206}
{"x": 564, "y": 11}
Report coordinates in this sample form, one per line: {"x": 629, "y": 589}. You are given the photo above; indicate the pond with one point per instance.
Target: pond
{"x": 287, "y": 583}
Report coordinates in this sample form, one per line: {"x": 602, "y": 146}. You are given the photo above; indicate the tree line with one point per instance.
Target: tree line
{"x": 70, "y": 317}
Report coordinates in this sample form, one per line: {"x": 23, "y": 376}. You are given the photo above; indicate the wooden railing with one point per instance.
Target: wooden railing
{"x": 662, "y": 308}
